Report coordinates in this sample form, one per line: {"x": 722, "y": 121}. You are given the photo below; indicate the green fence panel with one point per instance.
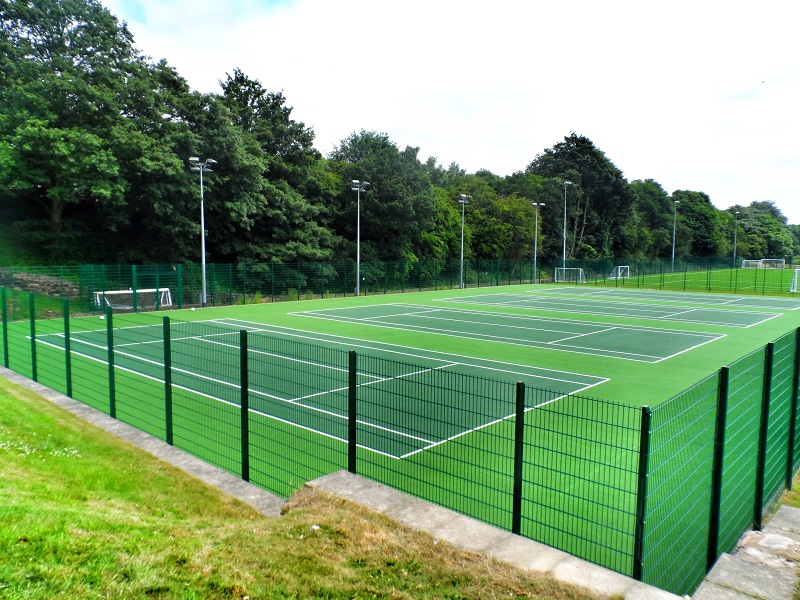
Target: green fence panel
{"x": 298, "y": 412}
{"x": 679, "y": 489}
{"x": 780, "y": 411}
{"x": 741, "y": 448}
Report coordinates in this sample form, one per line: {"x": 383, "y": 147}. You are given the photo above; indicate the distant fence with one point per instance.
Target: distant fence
{"x": 657, "y": 493}
{"x": 231, "y": 284}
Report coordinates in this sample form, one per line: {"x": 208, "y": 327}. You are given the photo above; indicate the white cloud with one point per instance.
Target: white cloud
{"x": 696, "y": 95}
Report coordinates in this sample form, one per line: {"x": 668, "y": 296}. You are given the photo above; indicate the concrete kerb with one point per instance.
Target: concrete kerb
{"x": 469, "y": 534}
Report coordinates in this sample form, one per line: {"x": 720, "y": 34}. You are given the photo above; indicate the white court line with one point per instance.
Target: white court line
{"x": 510, "y": 341}
{"x": 365, "y": 345}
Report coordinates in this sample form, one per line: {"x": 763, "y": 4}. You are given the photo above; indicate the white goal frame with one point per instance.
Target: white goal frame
{"x": 569, "y": 275}
{"x": 620, "y": 272}
{"x": 117, "y": 298}
{"x": 764, "y": 263}
{"x": 795, "y": 281}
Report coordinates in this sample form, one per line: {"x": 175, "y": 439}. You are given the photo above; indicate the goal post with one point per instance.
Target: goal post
{"x": 134, "y": 299}
{"x": 570, "y": 275}
{"x": 620, "y": 272}
{"x": 764, "y": 263}
{"x": 795, "y": 281}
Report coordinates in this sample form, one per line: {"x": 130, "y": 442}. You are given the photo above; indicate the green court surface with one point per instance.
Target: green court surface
{"x": 277, "y": 391}
{"x": 644, "y": 344}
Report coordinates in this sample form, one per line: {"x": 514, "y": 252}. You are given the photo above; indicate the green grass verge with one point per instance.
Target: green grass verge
{"x": 85, "y": 515}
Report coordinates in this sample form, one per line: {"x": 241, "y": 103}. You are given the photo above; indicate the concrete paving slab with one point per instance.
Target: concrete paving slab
{"x": 642, "y": 591}
{"x": 469, "y": 534}
{"x": 785, "y": 521}
{"x": 758, "y": 581}
{"x": 713, "y": 591}
{"x": 527, "y": 554}
{"x": 591, "y": 576}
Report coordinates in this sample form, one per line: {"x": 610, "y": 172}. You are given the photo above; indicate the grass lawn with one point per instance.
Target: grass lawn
{"x": 85, "y": 515}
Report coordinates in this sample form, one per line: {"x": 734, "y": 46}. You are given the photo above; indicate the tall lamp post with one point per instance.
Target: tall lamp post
{"x": 536, "y": 205}
{"x": 674, "y": 228}
{"x": 735, "y": 235}
{"x": 358, "y": 187}
{"x": 463, "y": 200}
{"x": 564, "y": 252}
{"x": 203, "y": 167}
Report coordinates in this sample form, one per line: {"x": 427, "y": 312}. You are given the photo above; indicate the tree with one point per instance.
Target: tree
{"x": 290, "y": 223}
{"x": 700, "y": 224}
{"x": 655, "y": 209}
{"x": 399, "y": 205}
{"x": 601, "y": 200}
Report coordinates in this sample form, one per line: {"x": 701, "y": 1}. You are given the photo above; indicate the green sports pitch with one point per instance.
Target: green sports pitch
{"x": 624, "y": 345}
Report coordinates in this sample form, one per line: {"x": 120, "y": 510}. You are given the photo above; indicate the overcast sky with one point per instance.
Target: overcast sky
{"x": 695, "y": 94}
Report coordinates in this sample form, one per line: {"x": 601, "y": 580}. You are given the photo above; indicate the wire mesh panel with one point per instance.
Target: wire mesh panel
{"x": 206, "y": 392}
{"x": 741, "y": 448}
{"x": 679, "y": 489}
{"x": 139, "y": 371}
{"x": 298, "y": 412}
{"x": 580, "y": 478}
{"x": 780, "y": 408}
{"x": 438, "y": 434}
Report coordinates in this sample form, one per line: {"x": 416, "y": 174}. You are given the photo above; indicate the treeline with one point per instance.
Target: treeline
{"x": 95, "y": 140}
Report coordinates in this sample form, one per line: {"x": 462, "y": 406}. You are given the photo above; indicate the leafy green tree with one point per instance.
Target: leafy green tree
{"x": 654, "y": 208}
{"x": 699, "y": 225}
{"x": 399, "y": 205}
{"x": 296, "y": 191}
{"x": 764, "y": 231}
{"x": 601, "y": 201}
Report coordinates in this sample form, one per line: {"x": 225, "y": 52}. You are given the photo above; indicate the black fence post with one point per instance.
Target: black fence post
{"x": 167, "y": 382}
{"x": 4, "y": 315}
{"x": 67, "y": 346}
{"x": 112, "y": 397}
{"x": 793, "y": 413}
{"x": 519, "y": 447}
{"x": 245, "y": 404}
{"x": 761, "y": 467}
{"x": 716, "y": 469}
{"x": 32, "y": 317}
{"x": 352, "y": 418}
{"x": 641, "y": 493}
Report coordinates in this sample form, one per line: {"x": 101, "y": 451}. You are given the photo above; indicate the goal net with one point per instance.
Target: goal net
{"x": 794, "y": 281}
{"x": 764, "y": 263}
{"x": 130, "y": 299}
{"x": 621, "y": 272}
{"x": 570, "y": 275}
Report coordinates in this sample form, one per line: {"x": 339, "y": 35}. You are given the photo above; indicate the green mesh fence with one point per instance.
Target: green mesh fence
{"x": 679, "y": 488}
{"x": 280, "y": 411}
{"x": 741, "y": 447}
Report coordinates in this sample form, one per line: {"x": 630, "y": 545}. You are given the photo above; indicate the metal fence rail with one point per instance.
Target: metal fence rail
{"x": 656, "y": 493}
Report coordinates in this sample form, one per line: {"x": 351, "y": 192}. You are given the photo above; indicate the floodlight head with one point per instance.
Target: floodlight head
{"x": 194, "y": 159}
{"x": 195, "y": 168}
{"x": 211, "y": 161}
{"x": 566, "y": 183}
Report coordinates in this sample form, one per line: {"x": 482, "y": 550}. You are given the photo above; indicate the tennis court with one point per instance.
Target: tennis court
{"x": 278, "y": 392}
{"x": 627, "y": 342}
{"x": 607, "y": 303}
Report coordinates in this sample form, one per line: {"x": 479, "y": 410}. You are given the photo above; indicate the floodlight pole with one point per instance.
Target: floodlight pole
{"x": 735, "y": 235}
{"x": 196, "y": 165}
{"x": 674, "y": 229}
{"x": 564, "y": 252}
{"x": 463, "y": 200}
{"x": 537, "y": 205}
{"x": 358, "y": 187}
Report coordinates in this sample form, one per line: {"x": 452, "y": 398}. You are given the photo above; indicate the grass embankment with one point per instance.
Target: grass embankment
{"x": 85, "y": 515}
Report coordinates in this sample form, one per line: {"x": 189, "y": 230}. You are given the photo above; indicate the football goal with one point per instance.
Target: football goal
{"x": 130, "y": 299}
{"x": 620, "y": 272}
{"x": 764, "y": 263}
{"x": 794, "y": 281}
{"x": 570, "y": 275}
